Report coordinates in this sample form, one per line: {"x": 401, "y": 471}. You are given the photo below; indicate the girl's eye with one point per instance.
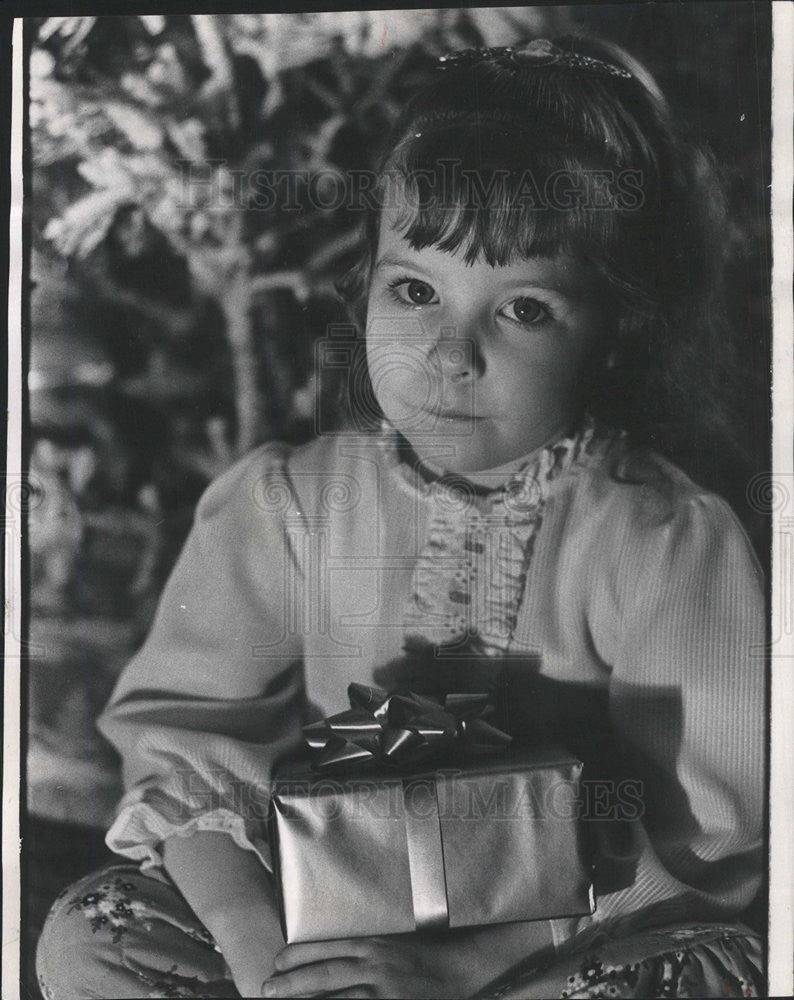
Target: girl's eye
{"x": 418, "y": 293}
{"x": 526, "y": 310}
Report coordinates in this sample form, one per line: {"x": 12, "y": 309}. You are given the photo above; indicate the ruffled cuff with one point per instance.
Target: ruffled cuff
{"x": 143, "y": 823}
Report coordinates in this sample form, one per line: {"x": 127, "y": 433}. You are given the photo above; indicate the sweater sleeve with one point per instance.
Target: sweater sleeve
{"x": 215, "y": 695}
{"x": 687, "y": 711}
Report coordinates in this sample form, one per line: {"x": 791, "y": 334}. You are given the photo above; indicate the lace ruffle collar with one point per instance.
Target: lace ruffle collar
{"x": 527, "y": 485}
{"x": 468, "y": 581}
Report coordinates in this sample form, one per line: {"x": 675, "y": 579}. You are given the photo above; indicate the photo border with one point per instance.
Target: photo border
{"x": 781, "y": 779}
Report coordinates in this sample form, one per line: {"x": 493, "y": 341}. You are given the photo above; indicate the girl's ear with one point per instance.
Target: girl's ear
{"x": 352, "y": 287}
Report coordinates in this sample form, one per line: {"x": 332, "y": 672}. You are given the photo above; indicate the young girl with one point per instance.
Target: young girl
{"x": 540, "y": 281}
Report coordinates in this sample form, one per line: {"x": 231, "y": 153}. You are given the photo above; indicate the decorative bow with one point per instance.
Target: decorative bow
{"x": 539, "y": 52}
{"x": 400, "y": 729}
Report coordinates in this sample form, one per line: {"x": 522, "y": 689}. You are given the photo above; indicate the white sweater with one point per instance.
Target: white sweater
{"x": 639, "y": 611}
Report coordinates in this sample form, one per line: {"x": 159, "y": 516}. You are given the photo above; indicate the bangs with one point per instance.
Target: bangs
{"x": 495, "y": 191}
{"x": 503, "y": 165}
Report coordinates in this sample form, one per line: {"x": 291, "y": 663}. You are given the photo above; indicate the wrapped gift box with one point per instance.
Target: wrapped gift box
{"x": 481, "y": 841}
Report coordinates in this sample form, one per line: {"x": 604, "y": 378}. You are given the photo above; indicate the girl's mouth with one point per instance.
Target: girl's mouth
{"x": 434, "y": 408}
{"x": 457, "y": 416}
{"x": 445, "y": 414}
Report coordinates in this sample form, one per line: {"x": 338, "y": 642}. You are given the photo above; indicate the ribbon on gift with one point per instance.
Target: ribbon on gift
{"x": 400, "y": 729}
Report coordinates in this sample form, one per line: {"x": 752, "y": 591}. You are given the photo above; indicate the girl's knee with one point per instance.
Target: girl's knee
{"x": 76, "y": 944}
{"x": 123, "y": 933}
{"x": 65, "y": 945}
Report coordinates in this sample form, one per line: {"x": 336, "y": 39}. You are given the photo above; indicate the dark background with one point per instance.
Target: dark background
{"x": 172, "y": 328}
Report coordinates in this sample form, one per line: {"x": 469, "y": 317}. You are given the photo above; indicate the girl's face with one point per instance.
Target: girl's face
{"x": 477, "y": 365}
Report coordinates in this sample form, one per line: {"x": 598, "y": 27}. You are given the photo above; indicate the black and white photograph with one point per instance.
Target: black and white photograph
{"x": 400, "y": 512}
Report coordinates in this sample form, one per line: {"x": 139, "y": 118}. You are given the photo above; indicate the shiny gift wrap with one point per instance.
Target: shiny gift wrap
{"x": 481, "y": 841}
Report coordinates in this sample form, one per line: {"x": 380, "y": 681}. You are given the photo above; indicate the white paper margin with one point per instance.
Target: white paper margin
{"x": 781, "y": 790}
{"x": 781, "y": 864}
{"x": 15, "y": 488}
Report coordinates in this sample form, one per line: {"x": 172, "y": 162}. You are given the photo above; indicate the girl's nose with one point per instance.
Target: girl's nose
{"x": 459, "y": 357}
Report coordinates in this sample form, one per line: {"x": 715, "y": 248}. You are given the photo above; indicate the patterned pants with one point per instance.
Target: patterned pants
{"x": 120, "y": 933}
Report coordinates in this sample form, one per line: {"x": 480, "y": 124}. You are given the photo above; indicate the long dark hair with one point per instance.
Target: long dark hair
{"x": 479, "y": 162}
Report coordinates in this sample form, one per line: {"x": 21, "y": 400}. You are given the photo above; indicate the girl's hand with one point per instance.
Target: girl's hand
{"x": 400, "y": 966}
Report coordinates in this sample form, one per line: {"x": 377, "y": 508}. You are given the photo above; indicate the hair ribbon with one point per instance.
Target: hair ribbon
{"x": 540, "y": 52}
